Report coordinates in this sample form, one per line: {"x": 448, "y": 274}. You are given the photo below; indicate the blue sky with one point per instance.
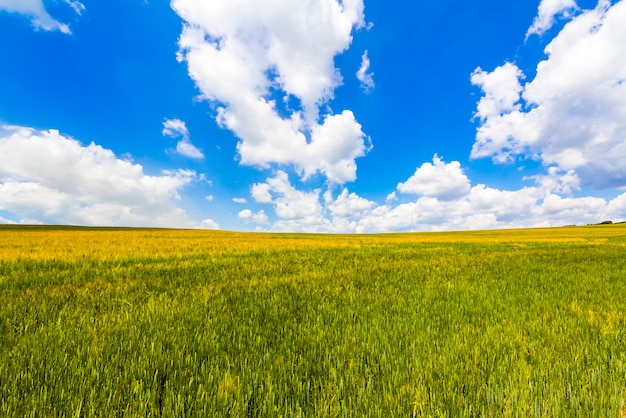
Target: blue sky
{"x": 320, "y": 116}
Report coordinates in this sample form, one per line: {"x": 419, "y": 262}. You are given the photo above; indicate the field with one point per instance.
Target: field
{"x": 148, "y": 322}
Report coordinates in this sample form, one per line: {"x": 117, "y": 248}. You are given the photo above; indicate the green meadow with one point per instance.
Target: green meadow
{"x": 183, "y": 323}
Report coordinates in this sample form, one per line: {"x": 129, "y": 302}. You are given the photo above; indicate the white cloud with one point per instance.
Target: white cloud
{"x": 187, "y": 149}
{"x": 558, "y": 181}
{"x": 248, "y": 216}
{"x": 489, "y": 208}
{"x": 617, "y": 207}
{"x": 210, "y": 224}
{"x": 547, "y": 12}
{"x": 574, "y": 208}
{"x": 509, "y": 207}
{"x": 77, "y": 6}
{"x": 210, "y": 198}
{"x": 6, "y": 221}
{"x": 501, "y": 89}
{"x": 250, "y": 57}
{"x": 50, "y": 178}
{"x": 245, "y": 214}
{"x": 177, "y": 128}
{"x": 391, "y": 197}
{"x": 572, "y": 115}
{"x": 364, "y": 75}
{"x": 457, "y": 205}
{"x": 36, "y": 11}
{"x": 297, "y": 210}
{"x": 440, "y": 180}
{"x": 240, "y": 200}
{"x": 261, "y": 193}
{"x": 347, "y": 204}
{"x": 335, "y": 145}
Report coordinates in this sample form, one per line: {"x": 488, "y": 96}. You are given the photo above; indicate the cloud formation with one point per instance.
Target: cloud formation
{"x": 46, "y": 177}
{"x": 269, "y": 68}
{"x": 297, "y": 210}
{"x": 364, "y": 75}
{"x": 248, "y": 216}
{"x": 175, "y": 128}
{"x": 547, "y": 13}
{"x": 36, "y": 11}
{"x": 572, "y": 115}
{"x": 76, "y": 5}
{"x": 440, "y": 180}
{"x": 463, "y": 206}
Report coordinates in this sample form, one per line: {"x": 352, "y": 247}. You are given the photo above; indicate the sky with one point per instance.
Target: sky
{"x": 338, "y": 116}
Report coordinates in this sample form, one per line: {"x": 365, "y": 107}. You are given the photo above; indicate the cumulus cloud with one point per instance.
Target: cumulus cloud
{"x": 210, "y": 224}
{"x": 364, "y": 75}
{"x": 248, "y": 216}
{"x": 297, "y": 210}
{"x": 252, "y": 58}
{"x": 563, "y": 182}
{"x": 440, "y": 180}
{"x": 175, "y": 128}
{"x": 572, "y": 115}
{"x": 245, "y": 214}
{"x": 547, "y": 12}
{"x": 240, "y": 200}
{"x": 36, "y": 11}
{"x": 289, "y": 202}
{"x": 489, "y": 208}
{"x": 50, "y": 178}
{"x": 454, "y": 205}
{"x": 501, "y": 89}
{"x": 347, "y": 204}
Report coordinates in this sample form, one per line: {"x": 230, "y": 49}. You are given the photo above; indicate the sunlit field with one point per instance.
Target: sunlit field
{"x": 147, "y": 322}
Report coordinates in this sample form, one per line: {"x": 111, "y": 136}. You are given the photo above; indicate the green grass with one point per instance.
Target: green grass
{"x": 144, "y": 322}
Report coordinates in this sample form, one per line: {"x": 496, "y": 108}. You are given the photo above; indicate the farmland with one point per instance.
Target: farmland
{"x": 155, "y": 322}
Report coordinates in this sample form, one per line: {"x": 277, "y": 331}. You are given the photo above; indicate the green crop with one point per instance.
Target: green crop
{"x": 148, "y": 322}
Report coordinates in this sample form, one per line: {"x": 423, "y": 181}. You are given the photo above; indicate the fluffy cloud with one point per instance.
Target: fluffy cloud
{"x": 347, "y": 204}
{"x": 47, "y": 177}
{"x": 501, "y": 89}
{"x": 364, "y": 75}
{"x": 440, "y": 180}
{"x": 297, "y": 210}
{"x": 258, "y": 60}
{"x": 558, "y": 181}
{"x": 177, "y": 128}
{"x": 572, "y": 115}
{"x": 547, "y": 12}
{"x": 210, "y": 224}
{"x": 248, "y": 216}
{"x": 487, "y": 208}
{"x": 40, "y": 18}
{"x": 289, "y": 202}
{"x": 453, "y": 205}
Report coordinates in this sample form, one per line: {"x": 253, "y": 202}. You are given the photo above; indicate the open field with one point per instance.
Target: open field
{"x": 145, "y": 322}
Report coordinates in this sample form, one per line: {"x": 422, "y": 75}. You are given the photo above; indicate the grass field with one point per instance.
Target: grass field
{"x": 143, "y": 322}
